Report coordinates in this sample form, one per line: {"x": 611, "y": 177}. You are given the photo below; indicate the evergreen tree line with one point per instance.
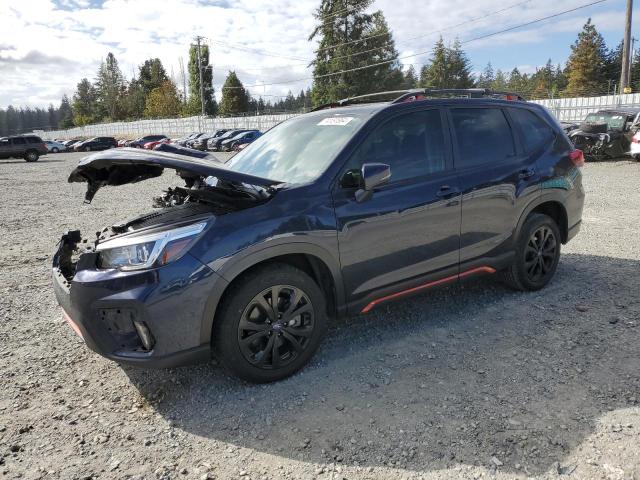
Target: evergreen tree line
{"x": 355, "y": 55}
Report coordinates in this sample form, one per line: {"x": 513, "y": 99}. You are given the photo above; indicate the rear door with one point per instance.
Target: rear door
{"x": 18, "y": 146}
{"x": 497, "y": 179}
{"x": 409, "y": 229}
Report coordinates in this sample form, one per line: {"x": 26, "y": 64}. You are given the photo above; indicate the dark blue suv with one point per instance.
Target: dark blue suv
{"x": 329, "y": 213}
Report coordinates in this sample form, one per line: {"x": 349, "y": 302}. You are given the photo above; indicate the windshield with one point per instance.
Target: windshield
{"x": 614, "y": 121}
{"x": 299, "y": 149}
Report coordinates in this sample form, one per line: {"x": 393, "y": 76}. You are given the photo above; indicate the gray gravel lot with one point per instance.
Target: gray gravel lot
{"x": 466, "y": 382}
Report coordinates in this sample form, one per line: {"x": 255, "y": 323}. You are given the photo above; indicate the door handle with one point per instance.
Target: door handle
{"x": 526, "y": 173}
{"x": 446, "y": 191}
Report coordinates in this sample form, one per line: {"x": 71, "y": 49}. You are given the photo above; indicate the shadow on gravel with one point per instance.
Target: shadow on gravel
{"x": 458, "y": 375}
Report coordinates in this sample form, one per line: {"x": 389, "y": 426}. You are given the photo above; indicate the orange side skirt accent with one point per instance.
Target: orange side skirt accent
{"x": 427, "y": 285}
{"x": 72, "y": 324}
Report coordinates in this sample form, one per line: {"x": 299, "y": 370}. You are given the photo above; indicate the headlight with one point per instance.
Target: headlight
{"x": 135, "y": 253}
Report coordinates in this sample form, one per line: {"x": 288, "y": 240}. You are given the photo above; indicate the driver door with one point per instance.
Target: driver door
{"x": 408, "y": 232}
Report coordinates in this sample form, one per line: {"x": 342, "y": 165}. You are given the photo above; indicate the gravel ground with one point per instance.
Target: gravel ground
{"x": 466, "y": 382}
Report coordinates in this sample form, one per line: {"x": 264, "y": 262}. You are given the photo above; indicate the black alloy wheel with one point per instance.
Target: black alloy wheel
{"x": 270, "y": 323}
{"x": 276, "y": 326}
{"x": 537, "y": 253}
{"x": 540, "y": 253}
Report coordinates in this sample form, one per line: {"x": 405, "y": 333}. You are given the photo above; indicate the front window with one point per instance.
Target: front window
{"x": 299, "y": 149}
{"x": 614, "y": 121}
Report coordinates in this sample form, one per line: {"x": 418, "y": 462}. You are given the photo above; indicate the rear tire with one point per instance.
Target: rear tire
{"x": 537, "y": 254}
{"x": 260, "y": 344}
{"x": 31, "y": 156}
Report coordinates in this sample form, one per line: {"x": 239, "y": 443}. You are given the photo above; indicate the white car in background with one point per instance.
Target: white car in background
{"x": 55, "y": 147}
{"x": 635, "y": 146}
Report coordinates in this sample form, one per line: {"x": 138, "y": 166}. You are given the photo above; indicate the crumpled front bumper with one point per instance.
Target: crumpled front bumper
{"x": 172, "y": 302}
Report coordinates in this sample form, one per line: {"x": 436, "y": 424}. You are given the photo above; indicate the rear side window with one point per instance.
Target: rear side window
{"x": 18, "y": 141}
{"x": 33, "y": 140}
{"x": 411, "y": 144}
{"x": 536, "y": 133}
{"x": 483, "y": 136}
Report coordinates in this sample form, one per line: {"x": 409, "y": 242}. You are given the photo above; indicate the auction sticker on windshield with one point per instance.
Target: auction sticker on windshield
{"x": 340, "y": 121}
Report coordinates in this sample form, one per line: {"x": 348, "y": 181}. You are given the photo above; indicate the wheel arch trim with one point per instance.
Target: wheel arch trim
{"x": 231, "y": 270}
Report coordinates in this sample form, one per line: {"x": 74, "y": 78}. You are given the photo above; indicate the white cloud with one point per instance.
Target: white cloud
{"x": 46, "y": 47}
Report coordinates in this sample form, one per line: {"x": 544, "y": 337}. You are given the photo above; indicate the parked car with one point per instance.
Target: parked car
{"x": 397, "y": 197}
{"x": 139, "y": 143}
{"x": 244, "y": 137}
{"x": 215, "y": 144}
{"x": 152, "y": 145}
{"x": 123, "y": 142}
{"x": 240, "y": 147}
{"x": 201, "y": 142}
{"x": 29, "y": 147}
{"x": 606, "y": 134}
{"x": 70, "y": 143}
{"x": 95, "y": 143}
{"x": 184, "y": 140}
{"x": 55, "y": 147}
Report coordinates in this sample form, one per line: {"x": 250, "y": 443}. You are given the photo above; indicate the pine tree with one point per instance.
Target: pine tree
{"x": 500, "y": 81}
{"x": 487, "y": 77}
{"x": 134, "y": 99}
{"x": 163, "y": 101}
{"x": 410, "y": 78}
{"x": 586, "y": 63}
{"x": 449, "y": 67}
{"x": 194, "y": 106}
{"x": 436, "y": 74}
{"x": 459, "y": 69}
{"x": 110, "y": 87}
{"x": 85, "y": 104}
{"x": 65, "y": 113}
{"x": 517, "y": 81}
{"x": 635, "y": 73}
{"x": 613, "y": 65}
{"x": 348, "y": 38}
{"x": 234, "y": 97}
{"x": 151, "y": 75}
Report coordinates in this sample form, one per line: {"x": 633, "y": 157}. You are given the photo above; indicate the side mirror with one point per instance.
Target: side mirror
{"x": 373, "y": 175}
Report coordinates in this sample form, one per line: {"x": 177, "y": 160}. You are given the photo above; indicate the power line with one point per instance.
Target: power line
{"x": 472, "y": 20}
{"x": 480, "y": 37}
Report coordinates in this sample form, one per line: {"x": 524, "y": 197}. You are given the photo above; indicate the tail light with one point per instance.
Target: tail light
{"x": 635, "y": 138}
{"x": 577, "y": 157}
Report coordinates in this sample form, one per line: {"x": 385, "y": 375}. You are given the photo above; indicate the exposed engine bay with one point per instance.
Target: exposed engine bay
{"x": 201, "y": 197}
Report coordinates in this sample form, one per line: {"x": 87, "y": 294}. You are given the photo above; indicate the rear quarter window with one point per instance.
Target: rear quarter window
{"x": 18, "y": 141}
{"x": 483, "y": 136}
{"x": 536, "y": 133}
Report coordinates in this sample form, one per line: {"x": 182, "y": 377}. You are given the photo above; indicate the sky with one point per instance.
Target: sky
{"x": 48, "y": 46}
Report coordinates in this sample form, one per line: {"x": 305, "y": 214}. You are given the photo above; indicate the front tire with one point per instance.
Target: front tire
{"x": 55, "y": 150}
{"x": 537, "y": 254}
{"x": 87, "y": 149}
{"x": 270, "y": 324}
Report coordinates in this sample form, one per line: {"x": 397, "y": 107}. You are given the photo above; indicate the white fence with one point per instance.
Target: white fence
{"x": 575, "y": 109}
{"x": 173, "y": 127}
{"x": 565, "y": 109}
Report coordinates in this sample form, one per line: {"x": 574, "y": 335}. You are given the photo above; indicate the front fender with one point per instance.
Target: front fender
{"x": 244, "y": 260}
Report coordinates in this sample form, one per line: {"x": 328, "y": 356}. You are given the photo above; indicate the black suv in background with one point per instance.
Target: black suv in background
{"x": 330, "y": 213}
{"x": 95, "y": 143}
{"x": 29, "y": 147}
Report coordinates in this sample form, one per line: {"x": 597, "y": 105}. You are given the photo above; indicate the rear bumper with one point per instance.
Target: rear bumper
{"x": 104, "y": 306}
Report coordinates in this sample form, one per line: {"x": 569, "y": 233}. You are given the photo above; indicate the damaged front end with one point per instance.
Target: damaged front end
{"x": 111, "y": 285}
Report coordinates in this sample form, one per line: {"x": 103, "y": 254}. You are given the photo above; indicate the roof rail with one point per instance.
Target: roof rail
{"x": 457, "y": 93}
{"x": 423, "y": 93}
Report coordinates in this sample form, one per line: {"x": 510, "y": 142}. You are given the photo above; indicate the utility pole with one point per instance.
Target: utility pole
{"x": 626, "y": 47}
{"x": 198, "y": 38}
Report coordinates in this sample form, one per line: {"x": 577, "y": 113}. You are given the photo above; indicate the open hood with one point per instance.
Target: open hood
{"x": 129, "y": 165}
